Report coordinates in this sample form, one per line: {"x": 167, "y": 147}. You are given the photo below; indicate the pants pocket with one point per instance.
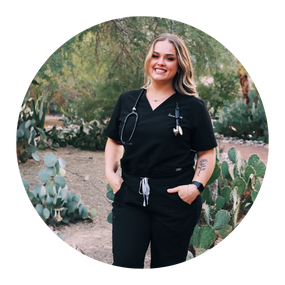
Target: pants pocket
{"x": 181, "y": 200}
{"x": 119, "y": 189}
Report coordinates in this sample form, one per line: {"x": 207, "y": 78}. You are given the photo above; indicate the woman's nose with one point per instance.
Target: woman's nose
{"x": 160, "y": 61}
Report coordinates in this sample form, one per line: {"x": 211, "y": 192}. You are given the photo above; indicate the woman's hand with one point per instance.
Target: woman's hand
{"x": 115, "y": 181}
{"x": 187, "y": 193}
{"x": 113, "y": 154}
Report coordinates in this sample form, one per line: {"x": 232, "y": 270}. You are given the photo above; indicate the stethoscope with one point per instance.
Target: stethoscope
{"x": 177, "y": 130}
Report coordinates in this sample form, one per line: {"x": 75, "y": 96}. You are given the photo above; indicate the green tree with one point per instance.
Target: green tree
{"x": 100, "y": 63}
{"x": 224, "y": 85}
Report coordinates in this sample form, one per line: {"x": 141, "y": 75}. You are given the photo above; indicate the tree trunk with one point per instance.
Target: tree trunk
{"x": 243, "y": 79}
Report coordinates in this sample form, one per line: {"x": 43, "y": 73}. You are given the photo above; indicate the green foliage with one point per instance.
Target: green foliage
{"x": 89, "y": 136}
{"x": 265, "y": 125}
{"x": 39, "y": 110}
{"x": 240, "y": 120}
{"x": 92, "y": 69}
{"x": 31, "y": 124}
{"x": 225, "y": 86}
{"x": 237, "y": 190}
{"x": 26, "y": 144}
{"x": 35, "y": 107}
{"x": 53, "y": 201}
{"x": 57, "y": 137}
{"x": 207, "y": 236}
{"x": 101, "y": 62}
{"x": 110, "y": 195}
{"x": 31, "y": 133}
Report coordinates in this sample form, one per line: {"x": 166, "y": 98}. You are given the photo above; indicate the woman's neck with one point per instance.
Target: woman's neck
{"x": 161, "y": 90}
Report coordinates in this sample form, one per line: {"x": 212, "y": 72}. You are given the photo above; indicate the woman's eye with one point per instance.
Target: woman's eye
{"x": 167, "y": 58}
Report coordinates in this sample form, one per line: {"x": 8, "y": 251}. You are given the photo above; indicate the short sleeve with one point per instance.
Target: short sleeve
{"x": 112, "y": 130}
{"x": 203, "y": 137}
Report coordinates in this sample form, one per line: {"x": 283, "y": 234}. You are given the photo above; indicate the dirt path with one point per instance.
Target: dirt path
{"x": 246, "y": 151}
{"x": 82, "y": 170}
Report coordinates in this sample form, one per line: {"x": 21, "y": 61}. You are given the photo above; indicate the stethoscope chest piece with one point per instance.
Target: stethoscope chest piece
{"x": 177, "y": 130}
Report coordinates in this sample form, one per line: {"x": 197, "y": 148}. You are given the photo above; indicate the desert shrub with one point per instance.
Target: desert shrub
{"x": 225, "y": 86}
{"x": 241, "y": 120}
{"x": 53, "y": 201}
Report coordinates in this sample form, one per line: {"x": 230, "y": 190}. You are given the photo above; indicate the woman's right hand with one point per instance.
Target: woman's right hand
{"x": 115, "y": 181}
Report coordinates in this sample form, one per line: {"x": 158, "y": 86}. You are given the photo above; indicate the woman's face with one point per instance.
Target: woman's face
{"x": 163, "y": 65}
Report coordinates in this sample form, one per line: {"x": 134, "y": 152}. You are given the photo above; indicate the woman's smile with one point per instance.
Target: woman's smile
{"x": 158, "y": 70}
{"x": 163, "y": 65}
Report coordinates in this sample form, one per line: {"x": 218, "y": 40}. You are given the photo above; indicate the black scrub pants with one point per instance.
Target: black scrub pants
{"x": 167, "y": 222}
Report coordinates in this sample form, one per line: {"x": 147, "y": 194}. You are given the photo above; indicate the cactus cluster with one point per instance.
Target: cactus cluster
{"x": 26, "y": 143}
{"x": 237, "y": 189}
{"x": 30, "y": 126}
{"x": 53, "y": 201}
{"x": 32, "y": 119}
{"x": 110, "y": 195}
{"x": 86, "y": 135}
{"x": 89, "y": 136}
{"x": 243, "y": 121}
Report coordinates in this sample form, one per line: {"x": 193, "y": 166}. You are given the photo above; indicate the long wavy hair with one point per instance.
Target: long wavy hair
{"x": 183, "y": 81}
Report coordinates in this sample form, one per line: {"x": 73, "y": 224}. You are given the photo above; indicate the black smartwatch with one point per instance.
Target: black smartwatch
{"x": 199, "y": 185}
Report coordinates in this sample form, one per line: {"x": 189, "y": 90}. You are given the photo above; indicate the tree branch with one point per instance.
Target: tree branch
{"x": 114, "y": 63}
{"x": 120, "y": 26}
{"x": 131, "y": 57}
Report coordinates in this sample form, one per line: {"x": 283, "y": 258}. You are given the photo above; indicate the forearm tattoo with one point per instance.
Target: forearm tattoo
{"x": 202, "y": 165}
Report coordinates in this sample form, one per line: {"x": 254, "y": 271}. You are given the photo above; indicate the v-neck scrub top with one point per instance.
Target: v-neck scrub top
{"x": 155, "y": 150}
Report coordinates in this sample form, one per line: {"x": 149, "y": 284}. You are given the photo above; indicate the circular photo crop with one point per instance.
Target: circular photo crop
{"x": 142, "y": 142}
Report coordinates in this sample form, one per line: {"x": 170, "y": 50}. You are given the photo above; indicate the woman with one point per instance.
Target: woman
{"x": 154, "y": 134}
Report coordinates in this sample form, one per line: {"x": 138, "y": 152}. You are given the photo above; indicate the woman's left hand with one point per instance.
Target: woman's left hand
{"x": 187, "y": 193}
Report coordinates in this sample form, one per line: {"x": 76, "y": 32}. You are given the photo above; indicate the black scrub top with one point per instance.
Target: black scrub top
{"x": 155, "y": 150}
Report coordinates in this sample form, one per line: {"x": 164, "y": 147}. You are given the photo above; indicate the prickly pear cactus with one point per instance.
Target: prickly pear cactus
{"x": 241, "y": 120}
{"x": 221, "y": 213}
{"x": 52, "y": 200}
{"x": 26, "y": 144}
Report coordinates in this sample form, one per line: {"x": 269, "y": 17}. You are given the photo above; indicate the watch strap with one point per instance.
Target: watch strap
{"x": 199, "y": 185}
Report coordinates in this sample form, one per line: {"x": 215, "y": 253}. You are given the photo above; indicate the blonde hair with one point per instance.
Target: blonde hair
{"x": 183, "y": 81}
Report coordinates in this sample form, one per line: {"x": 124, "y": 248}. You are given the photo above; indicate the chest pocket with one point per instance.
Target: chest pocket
{"x": 156, "y": 126}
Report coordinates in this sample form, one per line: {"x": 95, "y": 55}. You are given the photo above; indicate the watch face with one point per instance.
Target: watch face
{"x": 199, "y": 185}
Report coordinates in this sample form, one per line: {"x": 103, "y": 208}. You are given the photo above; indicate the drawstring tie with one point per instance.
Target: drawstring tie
{"x": 144, "y": 190}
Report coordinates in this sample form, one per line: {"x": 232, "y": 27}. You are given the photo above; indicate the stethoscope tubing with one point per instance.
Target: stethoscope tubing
{"x": 136, "y": 120}
{"x": 177, "y": 130}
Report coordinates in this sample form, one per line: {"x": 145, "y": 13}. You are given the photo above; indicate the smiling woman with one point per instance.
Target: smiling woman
{"x": 163, "y": 65}
{"x": 157, "y": 199}
{"x": 175, "y": 50}
{"x": 162, "y": 68}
